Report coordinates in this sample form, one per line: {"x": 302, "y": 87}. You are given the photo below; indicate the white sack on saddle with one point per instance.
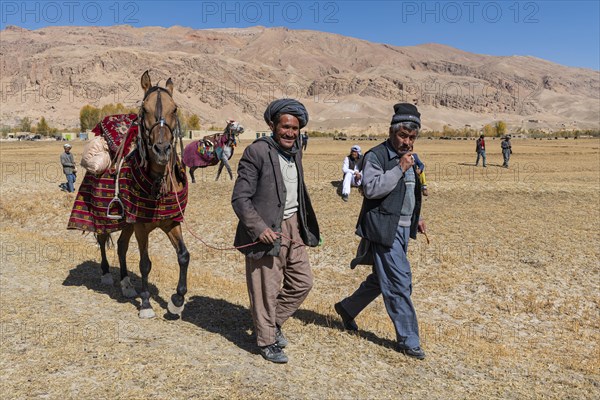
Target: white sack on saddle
{"x": 95, "y": 157}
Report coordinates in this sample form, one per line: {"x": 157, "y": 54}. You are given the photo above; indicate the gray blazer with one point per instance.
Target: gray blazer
{"x": 68, "y": 163}
{"x": 258, "y": 200}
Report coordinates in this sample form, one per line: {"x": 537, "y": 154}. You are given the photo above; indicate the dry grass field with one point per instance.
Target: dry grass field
{"x": 507, "y": 292}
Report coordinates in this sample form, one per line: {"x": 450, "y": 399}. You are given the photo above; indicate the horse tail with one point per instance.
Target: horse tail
{"x": 110, "y": 243}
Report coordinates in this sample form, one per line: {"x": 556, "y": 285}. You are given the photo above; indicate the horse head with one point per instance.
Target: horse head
{"x": 158, "y": 121}
{"x": 233, "y": 130}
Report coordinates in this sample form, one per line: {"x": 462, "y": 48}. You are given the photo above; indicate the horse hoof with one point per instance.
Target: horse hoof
{"x": 107, "y": 279}
{"x": 128, "y": 289}
{"x": 147, "y": 313}
{"x": 173, "y": 309}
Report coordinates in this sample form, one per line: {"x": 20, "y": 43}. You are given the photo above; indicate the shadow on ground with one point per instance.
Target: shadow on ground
{"x": 87, "y": 274}
{"x": 338, "y": 187}
{"x": 478, "y": 166}
{"x": 234, "y": 322}
{"x": 229, "y": 320}
{"x": 311, "y": 317}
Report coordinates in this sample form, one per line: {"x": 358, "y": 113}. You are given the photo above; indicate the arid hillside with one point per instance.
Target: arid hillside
{"x": 348, "y": 84}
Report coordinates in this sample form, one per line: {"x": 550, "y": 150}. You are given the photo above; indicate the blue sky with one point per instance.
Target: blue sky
{"x": 565, "y": 32}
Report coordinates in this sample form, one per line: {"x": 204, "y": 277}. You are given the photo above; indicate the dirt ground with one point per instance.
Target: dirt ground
{"x": 507, "y": 292}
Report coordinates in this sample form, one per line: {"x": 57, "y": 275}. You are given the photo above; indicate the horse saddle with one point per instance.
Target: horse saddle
{"x": 112, "y": 133}
{"x": 206, "y": 148}
{"x": 116, "y": 129}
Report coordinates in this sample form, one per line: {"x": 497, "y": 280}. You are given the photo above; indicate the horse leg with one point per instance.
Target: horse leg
{"x": 107, "y": 278}
{"x": 141, "y": 235}
{"x": 219, "y": 170}
{"x": 192, "y": 169}
{"x": 127, "y": 287}
{"x": 177, "y": 300}
{"x": 228, "y": 169}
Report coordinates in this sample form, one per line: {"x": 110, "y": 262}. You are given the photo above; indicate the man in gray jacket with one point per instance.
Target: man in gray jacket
{"x": 69, "y": 169}
{"x": 276, "y": 222}
{"x": 390, "y": 215}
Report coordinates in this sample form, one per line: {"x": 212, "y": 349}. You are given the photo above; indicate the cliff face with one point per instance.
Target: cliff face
{"x": 347, "y": 84}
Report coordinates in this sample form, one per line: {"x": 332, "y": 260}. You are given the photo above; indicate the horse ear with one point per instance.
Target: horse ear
{"x": 146, "y": 84}
{"x": 169, "y": 86}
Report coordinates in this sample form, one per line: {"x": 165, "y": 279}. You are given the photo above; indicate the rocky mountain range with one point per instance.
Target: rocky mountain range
{"x": 347, "y": 84}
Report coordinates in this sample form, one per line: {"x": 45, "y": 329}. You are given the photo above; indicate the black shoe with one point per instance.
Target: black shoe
{"x": 274, "y": 353}
{"x": 280, "y": 338}
{"x": 415, "y": 352}
{"x": 345, "y": 197}
{"x": 347, "y": 320}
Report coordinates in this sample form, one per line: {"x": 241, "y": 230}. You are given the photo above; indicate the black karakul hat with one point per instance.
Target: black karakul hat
{"x": 406, "y": 112}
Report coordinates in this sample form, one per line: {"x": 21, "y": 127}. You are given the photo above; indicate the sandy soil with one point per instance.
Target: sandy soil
{"x": 507, "y": 291}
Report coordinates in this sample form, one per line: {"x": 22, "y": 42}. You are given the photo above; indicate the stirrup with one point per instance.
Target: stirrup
{"x": 121, "y": 213}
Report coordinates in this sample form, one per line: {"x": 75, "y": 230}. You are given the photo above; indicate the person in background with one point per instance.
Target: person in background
{"x": 480, "y": 149}
{"x": 69, "y": 169}
{"x": 352, "y": 169}
{"x": 506, "y": 150}
{"x": 304, "y": 141}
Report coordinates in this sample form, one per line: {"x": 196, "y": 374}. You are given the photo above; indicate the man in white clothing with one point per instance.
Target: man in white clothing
{"x": 352, "y": 170}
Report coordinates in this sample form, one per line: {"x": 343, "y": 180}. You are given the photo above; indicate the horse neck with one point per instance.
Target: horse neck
{"x": 230, "y": 138}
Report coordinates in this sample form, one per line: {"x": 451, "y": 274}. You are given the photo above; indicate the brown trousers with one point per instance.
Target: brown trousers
{"x": 277, "y": 286}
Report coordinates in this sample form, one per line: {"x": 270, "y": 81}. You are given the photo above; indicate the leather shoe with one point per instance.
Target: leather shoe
{"x": 415, "y": 352}
{"x": 347, "y": 320}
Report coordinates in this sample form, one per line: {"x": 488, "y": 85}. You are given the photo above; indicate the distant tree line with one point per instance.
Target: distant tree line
{"x": 89, "y": 116}
{"x": 27, "y": 125}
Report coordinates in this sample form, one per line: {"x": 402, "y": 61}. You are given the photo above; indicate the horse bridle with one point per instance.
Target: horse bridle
{"x": 232, "y": 134}
{"x": 160, "y": 121}
{"x": 159, "y": 185}
{"x": 144, "y": 136}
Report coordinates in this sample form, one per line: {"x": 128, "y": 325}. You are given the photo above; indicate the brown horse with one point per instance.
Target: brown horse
{"x": 157, "y": 154}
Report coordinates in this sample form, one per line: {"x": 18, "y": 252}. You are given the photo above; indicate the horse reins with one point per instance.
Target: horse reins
{"x": 223, "y": 248}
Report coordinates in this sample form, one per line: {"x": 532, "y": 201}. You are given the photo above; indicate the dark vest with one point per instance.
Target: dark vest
{"x": 358, "y": 162}
{"x": 378, "y": 220}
